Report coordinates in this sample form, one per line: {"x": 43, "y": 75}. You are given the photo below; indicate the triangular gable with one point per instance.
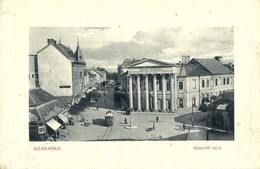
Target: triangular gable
{"x": 150, "y": 63}
{"x": 183, "y": 71}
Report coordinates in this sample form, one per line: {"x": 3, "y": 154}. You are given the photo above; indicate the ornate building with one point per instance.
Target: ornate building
{"x": 151, "y": 84}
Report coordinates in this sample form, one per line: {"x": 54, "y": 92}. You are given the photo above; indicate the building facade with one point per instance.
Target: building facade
{"x": 151, "y": 84}
{"x": 202, "y": 78}
{"x": 61, "y": 72}
{"x": 33, "y": 72}
{"x": 154, "y": 85}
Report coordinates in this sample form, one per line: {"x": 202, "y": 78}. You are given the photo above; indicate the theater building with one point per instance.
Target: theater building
{"x": 151, "y": 84}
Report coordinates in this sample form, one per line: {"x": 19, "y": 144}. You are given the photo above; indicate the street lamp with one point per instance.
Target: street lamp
{"x": 192, "y": 115}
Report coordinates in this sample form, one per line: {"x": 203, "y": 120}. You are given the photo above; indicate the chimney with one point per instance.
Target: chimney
{"x": 51, "y": 41}
{"x": 185, "y": 59}
{"x": 218, "y": 58}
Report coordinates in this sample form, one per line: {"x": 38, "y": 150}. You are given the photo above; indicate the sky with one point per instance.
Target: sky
{"x": 108, "y": 47}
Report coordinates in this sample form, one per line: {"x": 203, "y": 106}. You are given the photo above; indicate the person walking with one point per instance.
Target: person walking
{"x": 157, "y": 119}
{"x": 58, "y": 134}
{"x": 97, "y": 107}
{"x": 54, "y": 136}
{"x": 93, "y": 121}
{"x": 154, "y": 126}
{"x": 183, "y": 127}
{"x": 125, "y": 121}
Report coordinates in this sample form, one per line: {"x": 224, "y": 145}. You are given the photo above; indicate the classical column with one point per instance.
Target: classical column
{"x": 172, "y": 93}
{"x": 163, "y": 93}
{"x": 146, "y": 93}
{"x": 154, "y": 93}
{"x": 130, "y": 92}
{"x": 138, "y": 94}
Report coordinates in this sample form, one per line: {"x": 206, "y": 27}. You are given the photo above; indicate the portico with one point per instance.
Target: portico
{"x": 152, "y": 86}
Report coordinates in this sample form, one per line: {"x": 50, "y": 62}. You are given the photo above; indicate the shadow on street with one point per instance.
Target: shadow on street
{"x": 199, "y": 118}
{"x": 100, "y": 122}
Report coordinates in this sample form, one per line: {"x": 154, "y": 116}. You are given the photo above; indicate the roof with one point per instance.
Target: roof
{"x": 47, "y": 110}
{"x": 129, "y": 62}
{"x": 213, "y": 66}
{"x": 204, "y": 67}
{"x": 94, "y": 70}
{"x": 134, "y": 62}
{"x": 78, "y": 55}
{"x": 68, "y": 53}
{"x": 193, "y": 70}
{"x": 230, "y": 67}
{"x": 38, "y": 96}
{"x": 100, "y": 69}
{"x": 65, "y": 100}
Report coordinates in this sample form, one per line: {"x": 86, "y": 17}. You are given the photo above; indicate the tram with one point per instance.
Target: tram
{"x": 109, "y": 118}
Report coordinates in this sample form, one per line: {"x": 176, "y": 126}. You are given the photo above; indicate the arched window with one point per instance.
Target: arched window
{"x": 224, "y": 81}
{"x": 203, "y": 83}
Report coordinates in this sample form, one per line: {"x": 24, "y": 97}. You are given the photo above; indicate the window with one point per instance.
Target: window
{"x": 32, "y": 75}
{"x": 224, "y": 81}
{"x": 227, "y": 80}
{"x": 216, "y": 82}
{"x": 207, "y": 82}
{"x": 67, "y": 86}
{"x": 80, "y": 74}
{"x": 180, "y": 85}
{"x": 180, "y": 102}
{"x": 203, "y": 83}
{"x": 29, "y": 76}
{"x": 194, "y": 83}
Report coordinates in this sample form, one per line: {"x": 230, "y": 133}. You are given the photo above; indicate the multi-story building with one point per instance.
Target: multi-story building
{"x": 61, "y": 72}
{"x": 154, "y": 85}
{"x": 103, "y": 73}
{"x": 202, "y": 78}
{"x": 33, "y": 72}
{"x": 92, "y": 77}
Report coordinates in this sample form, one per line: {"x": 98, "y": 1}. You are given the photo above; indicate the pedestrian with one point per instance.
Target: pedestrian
{"x": 154, "y": 126}
{"x": 183, "y": 127}
{"x": 93, "y": 121}
{"x": 54, "y": 136}
{"x": 97, "y": 107}
{"x": 58, "y": 134}
{"x": 157, "y": 119}
{"x": 125, "y": 121}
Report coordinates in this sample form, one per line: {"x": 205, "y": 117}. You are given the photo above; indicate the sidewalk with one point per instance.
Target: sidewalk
{"x": 197, "y": 133}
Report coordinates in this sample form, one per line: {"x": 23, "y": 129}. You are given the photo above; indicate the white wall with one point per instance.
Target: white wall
{"x": 54, "y": 71}
{"x": 189, "y": 92}
{"x": 31, "y": 72}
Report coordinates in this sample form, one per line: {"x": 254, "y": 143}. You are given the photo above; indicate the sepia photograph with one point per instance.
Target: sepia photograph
{"x": 122, "y": 84}
{"x": 129, "y": 84}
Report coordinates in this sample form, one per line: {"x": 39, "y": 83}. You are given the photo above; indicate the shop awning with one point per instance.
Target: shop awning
{"x": 53, "y": 124}
{"x": 63, "y": 118}
{"x": 67, "y": 115}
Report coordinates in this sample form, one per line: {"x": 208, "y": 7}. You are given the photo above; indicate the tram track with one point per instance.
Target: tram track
{"x": 107, "y": 134}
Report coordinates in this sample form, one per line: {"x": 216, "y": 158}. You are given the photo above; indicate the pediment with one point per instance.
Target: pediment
{"x": 150, "y": 63}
